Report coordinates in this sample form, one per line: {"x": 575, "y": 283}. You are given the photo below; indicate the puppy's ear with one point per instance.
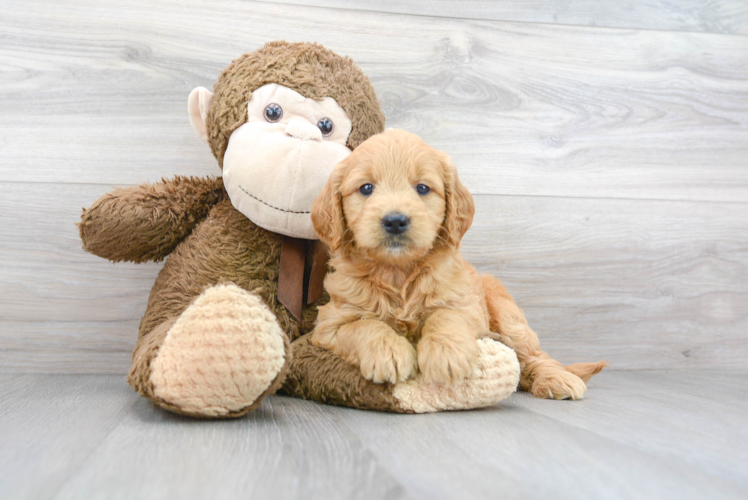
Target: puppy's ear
{"x": 327, "y": 210}
{"x": 460, "y": 206}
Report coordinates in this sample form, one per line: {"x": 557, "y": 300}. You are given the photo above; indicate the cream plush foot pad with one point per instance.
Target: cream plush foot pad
{"x": 223, "y": 352}
{"x": 494, "y": 378}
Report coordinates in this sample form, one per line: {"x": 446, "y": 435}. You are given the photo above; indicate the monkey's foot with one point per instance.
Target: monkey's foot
{"x": 494, "y": 378}
{"x": 225, "y": 352}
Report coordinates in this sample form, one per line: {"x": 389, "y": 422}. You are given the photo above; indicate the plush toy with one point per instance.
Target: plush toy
{"x": 243, "y": 273}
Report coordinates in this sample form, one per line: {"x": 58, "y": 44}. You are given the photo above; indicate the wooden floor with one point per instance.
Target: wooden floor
{"x": 638, "y": 435}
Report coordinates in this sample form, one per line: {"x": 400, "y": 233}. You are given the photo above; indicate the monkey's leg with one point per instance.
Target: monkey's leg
{"x": 541, "y": 375}
{"x": 320, "y": 375}
{"x": 217, "y": 359}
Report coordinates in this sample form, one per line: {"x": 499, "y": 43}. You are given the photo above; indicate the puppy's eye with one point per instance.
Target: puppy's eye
{"x": 325, "y": 126}
{"x": 273, "y": 113}
{"x": 366, "y": 189}
{"x": 423, "y": 189}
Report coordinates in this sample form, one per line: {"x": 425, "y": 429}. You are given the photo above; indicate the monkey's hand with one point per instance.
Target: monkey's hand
{"x": 143, "y": 223}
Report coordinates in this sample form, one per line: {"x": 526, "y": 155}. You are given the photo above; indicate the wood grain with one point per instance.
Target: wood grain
{"x": 97, "y": 95}
{"x": 530, "y": 455}
{"x": 286, "y": 449}
{"x": 672, "y": 422}
{"x": 636, "y": 435}
{"x": 644, "y": 284}
{"x": 49, "y": 426}
{"x": 714, "y": 16}
{"x": 597, "y": 280}
{"x": 610, "y": 166}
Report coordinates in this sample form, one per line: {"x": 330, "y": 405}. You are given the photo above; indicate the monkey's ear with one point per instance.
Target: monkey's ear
{"x": 460, "y": 206}
{"x": 197, "y": 106}
{"x": 327, "y": 210}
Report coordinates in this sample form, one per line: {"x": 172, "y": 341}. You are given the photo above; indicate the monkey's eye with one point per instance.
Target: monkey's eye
{"x": 366, "y": 189}
{"x": 273, "y": 113}
{"x": 423, "y": 189}
{"x": 325, "y": 126}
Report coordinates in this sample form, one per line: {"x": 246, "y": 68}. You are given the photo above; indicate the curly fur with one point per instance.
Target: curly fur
{"x": 388, "y": 294}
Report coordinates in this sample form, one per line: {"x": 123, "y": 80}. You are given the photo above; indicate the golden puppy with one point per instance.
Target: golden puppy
{"x": 393, "y": 214}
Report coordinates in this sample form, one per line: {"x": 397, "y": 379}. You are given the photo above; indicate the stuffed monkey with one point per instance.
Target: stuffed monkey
{"x": 243, "y": 272}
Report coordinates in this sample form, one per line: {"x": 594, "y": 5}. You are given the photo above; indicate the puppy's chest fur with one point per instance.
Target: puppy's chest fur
{"x": 405, "y": 303}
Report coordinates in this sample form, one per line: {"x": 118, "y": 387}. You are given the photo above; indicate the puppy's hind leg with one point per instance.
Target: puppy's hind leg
{"x": 541, "y": 375}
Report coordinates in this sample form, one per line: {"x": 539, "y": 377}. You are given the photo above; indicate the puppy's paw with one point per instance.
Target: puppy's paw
{"x": 446, "y": 359}
{"x": 558, "y": 383}
{"x": 389, "y": 359}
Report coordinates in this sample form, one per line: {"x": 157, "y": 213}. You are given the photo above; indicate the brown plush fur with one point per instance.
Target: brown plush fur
{"x": 308, "y": 68}
{"x": 225, "y": 248}
{"x": 144, "y": 223}
{"x": 317, "y": 373}
{"x": 207, "y": 241}
{"x": 390, "y": 292}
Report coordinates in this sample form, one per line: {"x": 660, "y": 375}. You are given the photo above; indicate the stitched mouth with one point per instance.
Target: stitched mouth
{"x": 271, "y": 206}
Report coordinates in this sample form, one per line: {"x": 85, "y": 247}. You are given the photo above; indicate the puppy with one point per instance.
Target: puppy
{"x": 402, "y": 298}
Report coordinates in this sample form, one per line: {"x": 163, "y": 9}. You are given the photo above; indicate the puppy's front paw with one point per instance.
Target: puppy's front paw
{"x": 558, "y": 384}
{"x": 445, "y": 359}
{"x": 389, "y": 359}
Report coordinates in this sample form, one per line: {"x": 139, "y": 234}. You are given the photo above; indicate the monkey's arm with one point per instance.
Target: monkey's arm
{"x": 146, "y": 222}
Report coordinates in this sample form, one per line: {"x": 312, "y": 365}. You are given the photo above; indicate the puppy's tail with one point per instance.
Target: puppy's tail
{"x": 507, "y": 319}
{"x": 586, "y": 371}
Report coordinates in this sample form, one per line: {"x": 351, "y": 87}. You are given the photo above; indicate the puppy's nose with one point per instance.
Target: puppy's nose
{"x": 395, "y": 223}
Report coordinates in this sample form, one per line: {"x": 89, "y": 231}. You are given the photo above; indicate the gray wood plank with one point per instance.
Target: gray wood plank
{"x": 556, "y": 119}
{"x": 91, "y": 436}
{"x": 286, "y": 449}
{"x": 720, "y": 16}
{"x": 643, "y": 284}
{"x": 49, "y": 426}
{"x": 525, "y": 455}
{"x": 97, "y": 95}
{"x": 681, "y": 449}
{"x": 8, "y": 378}
{"x": 717, "y": 388}
{"x": 692, "y": 423}
{"x": 61, "y": 346}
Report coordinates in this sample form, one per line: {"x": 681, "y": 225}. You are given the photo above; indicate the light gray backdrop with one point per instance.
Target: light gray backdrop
{"x": 607, "y": 150}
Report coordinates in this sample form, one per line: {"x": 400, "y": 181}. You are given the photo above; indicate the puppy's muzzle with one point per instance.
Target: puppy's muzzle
{"x": 395, "y": 223}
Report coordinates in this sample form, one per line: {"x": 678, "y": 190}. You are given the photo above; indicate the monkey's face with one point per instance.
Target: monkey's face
{"x": 277, "y": 162}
